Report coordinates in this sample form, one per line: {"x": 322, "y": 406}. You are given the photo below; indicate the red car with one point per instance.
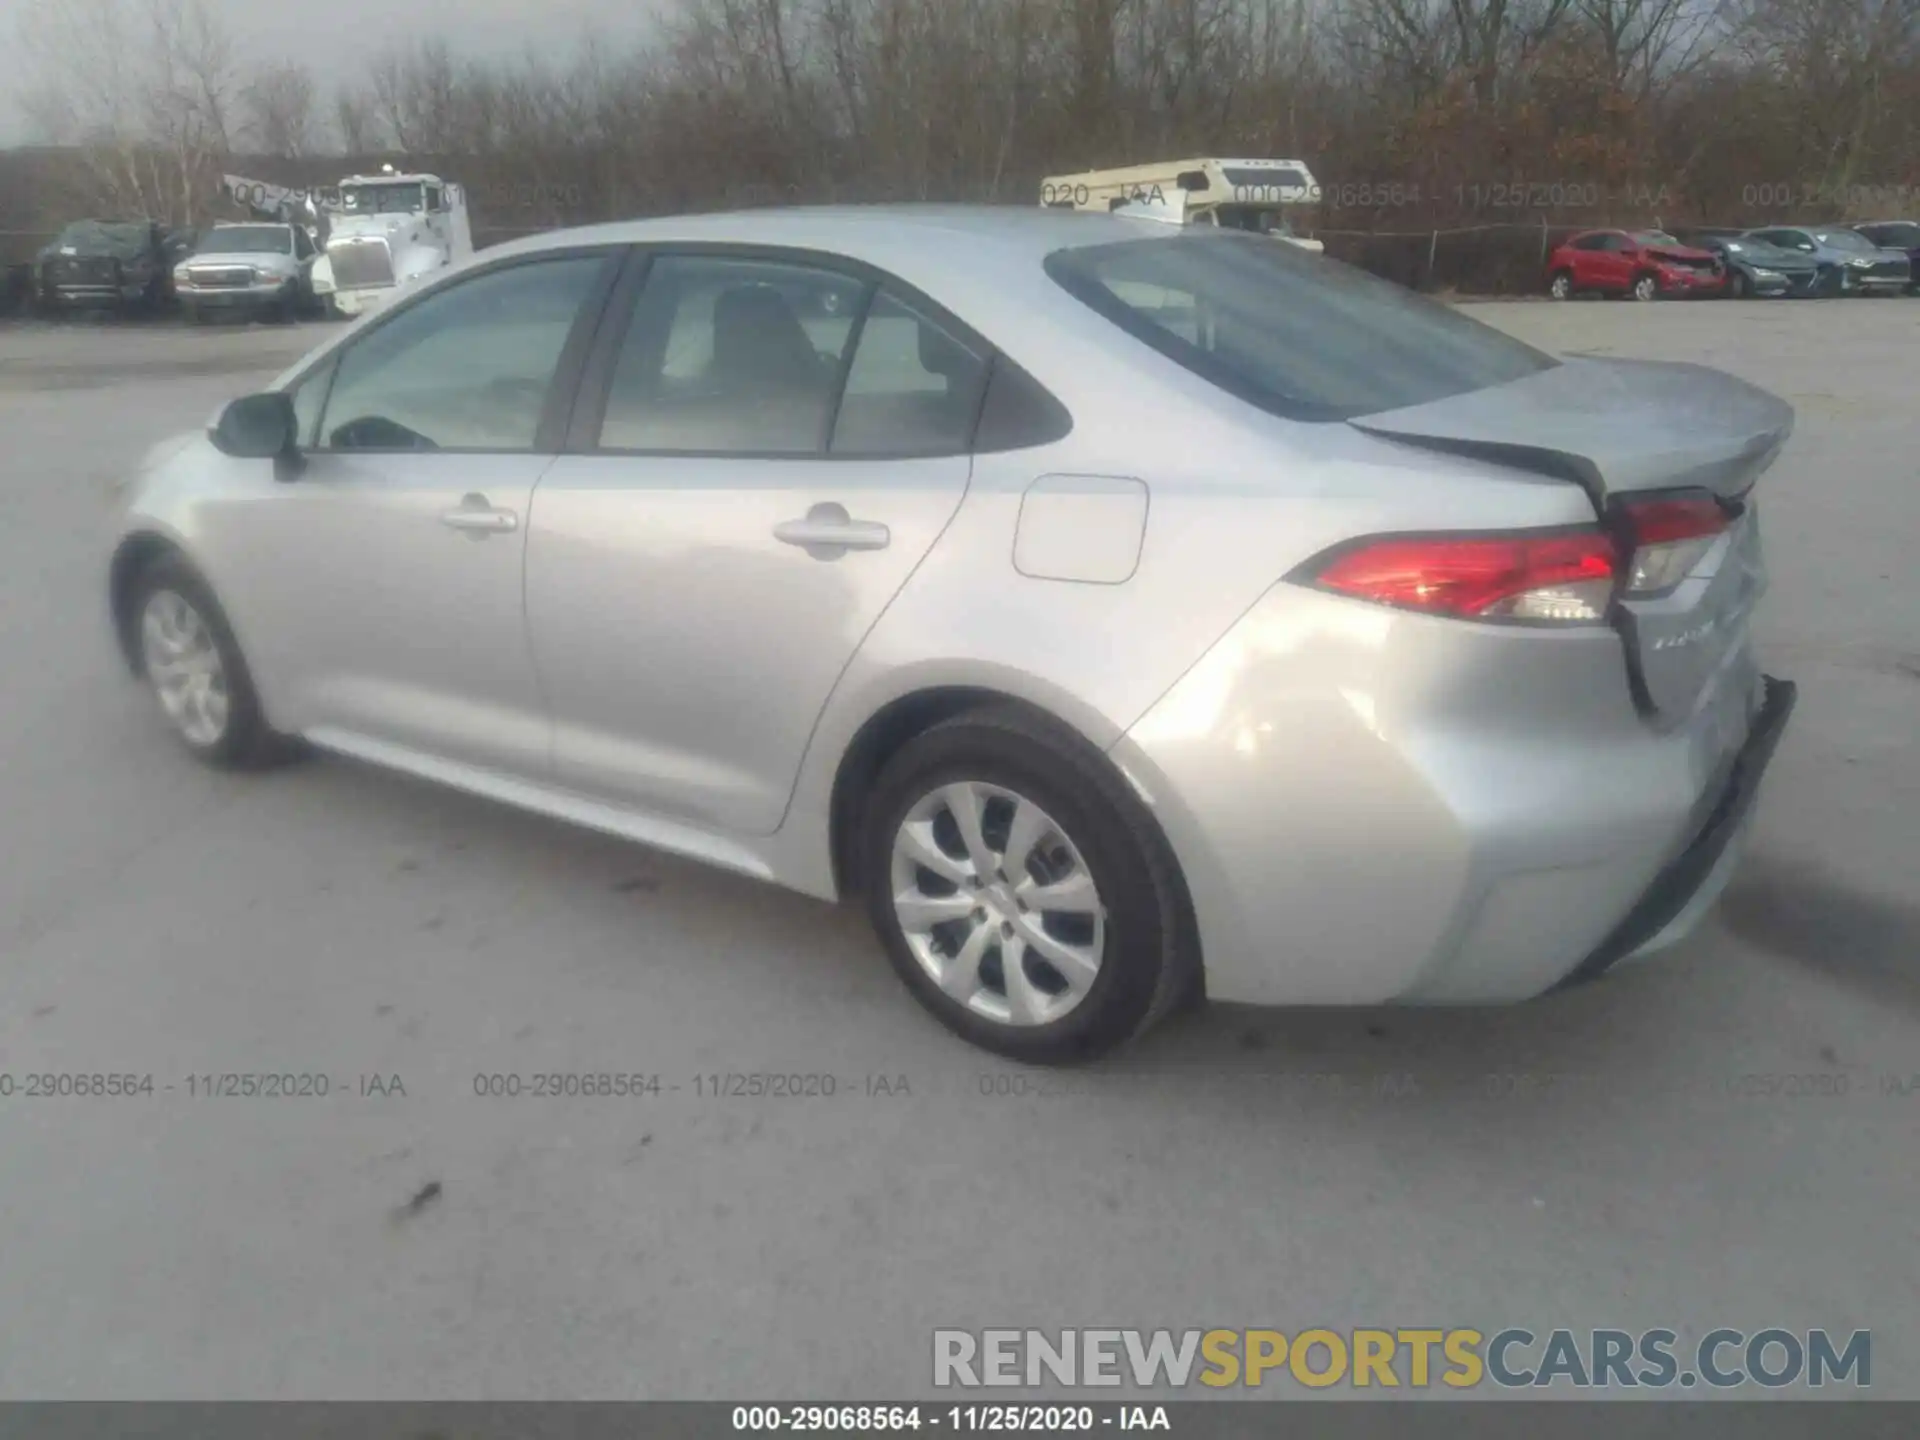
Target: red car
{"x": 1645, "y": 264}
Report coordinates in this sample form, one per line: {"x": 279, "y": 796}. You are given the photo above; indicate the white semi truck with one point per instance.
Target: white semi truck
{"x": 385, "y": 231}
{"x": 1234, "y": 194}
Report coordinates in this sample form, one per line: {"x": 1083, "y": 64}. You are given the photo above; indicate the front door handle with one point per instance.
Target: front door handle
{"x": 828, "y": 531}
{"x": 479, "y": 519}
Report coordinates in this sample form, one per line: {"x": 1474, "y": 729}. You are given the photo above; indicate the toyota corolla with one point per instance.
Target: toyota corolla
{"x": 1122, "y": 613}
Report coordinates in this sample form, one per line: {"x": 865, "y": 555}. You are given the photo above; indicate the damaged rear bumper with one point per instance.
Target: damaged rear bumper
{"x": 1686, "y": 889}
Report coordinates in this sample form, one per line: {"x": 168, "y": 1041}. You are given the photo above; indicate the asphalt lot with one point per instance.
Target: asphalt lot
{"x": 1634, "y": 1155}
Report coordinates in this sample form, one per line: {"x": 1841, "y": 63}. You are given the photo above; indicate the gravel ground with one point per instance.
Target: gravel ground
{"x": 1238, "y": 1169}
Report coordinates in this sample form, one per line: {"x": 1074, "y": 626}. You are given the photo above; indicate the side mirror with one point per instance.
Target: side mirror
{"x": 257, "y": 427}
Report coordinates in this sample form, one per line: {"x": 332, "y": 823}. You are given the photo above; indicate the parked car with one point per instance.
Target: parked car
{"x": 16, "y": 285}
{"x": 248, "y": 268}
{"x": 1849, "y": 263}
{"x": 103, "y": 264}
{"x": 1427, "y": 674}
{"x": 1646, "y": 264}
{"x": 1755, "y": 268}
{"x": 1902, "y": 235}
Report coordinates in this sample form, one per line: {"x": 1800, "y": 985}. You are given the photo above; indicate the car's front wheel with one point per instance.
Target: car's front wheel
{"x": 1646, "y": 287}
{"x": 194, "y": 668}
{"x": 1021, "y": 892}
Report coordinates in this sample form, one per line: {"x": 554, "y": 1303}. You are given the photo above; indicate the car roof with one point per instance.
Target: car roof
{"x": 892, "y": 237}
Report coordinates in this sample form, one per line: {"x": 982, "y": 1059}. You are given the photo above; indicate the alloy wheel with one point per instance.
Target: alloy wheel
{"x": 997, "y": 903}
{"x": 184, "y": 667}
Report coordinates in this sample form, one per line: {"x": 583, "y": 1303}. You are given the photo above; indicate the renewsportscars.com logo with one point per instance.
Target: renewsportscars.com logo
{"x": 1459, "y": 1359}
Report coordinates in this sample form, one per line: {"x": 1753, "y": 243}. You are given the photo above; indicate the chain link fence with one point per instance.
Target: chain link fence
{"x": 1499, "y": 258}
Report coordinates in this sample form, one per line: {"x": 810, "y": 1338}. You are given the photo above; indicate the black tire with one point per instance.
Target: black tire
{"x": 245, "y": 742}
{"x": 1560, "y": 285}
{"x": 1645, "y": 288}
{"x": 1149, "y": 962}
{"x": 1739, "y": 286}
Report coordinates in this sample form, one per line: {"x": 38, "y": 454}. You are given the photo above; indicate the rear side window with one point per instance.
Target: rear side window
{"x": 1018, "y": 412}
{"x": 731, "y": 356}
{"x": 913, "y": 389}
{"x": 1292, "y": 333}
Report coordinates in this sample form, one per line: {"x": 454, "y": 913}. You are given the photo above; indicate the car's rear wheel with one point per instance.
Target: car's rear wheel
{"x": 1645, "y": 287}
{"x": 194, "y": 668}
{"x": 1021, "y": 893}
{"x": 1560, "y": 287}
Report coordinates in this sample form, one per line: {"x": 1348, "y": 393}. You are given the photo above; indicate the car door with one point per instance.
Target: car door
{"x": 384, "y": 580}
{"x": 767, "y": 447}
{"x": 303, "y": 258}
{"x": 1580, "y": 260}
{"x": 1599, "y": 268}
{"x": 1622, "y": 259}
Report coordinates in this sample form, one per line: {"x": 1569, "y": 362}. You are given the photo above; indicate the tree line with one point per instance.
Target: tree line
{"x": 1418, "y": 116}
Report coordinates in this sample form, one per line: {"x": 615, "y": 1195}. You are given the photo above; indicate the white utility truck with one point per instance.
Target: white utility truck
{"x": 1251, "y": 195}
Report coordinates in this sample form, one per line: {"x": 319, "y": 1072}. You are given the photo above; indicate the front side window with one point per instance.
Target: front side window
{"x": 1846, "y": 240}
{"x": 467, "y": 368}
{"x": 912, "y": 389}
{"x": 1289, "y": 332}
{"x": 733, "y": 356}
{"x": 309, "y": 399}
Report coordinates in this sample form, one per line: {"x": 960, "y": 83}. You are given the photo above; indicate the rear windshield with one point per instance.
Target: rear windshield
{"x": 1291, "y": 332}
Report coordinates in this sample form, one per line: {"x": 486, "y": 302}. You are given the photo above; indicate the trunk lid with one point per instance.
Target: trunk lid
{"x": 1629, "y": 430}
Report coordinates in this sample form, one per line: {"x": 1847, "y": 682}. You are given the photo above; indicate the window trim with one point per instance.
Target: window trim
{"x": 561, "y": 390}
{"x": 596, "y": 381}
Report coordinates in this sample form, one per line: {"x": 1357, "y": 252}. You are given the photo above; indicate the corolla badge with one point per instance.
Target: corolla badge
{"x": 1691, "y": 636}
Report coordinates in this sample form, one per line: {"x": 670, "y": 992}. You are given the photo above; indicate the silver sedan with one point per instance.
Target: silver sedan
{"x": 1123, "y": 613}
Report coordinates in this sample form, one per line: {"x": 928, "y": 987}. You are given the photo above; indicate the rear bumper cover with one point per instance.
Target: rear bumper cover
{"x": 1698, "y": 867}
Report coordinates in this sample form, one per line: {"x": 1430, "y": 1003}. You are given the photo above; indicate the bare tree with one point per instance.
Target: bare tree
{"x": 279, "y": 105}
{"x": 143, "y": 89}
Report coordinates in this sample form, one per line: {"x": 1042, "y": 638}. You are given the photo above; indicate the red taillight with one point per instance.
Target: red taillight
{"x": 1564, "y": 576}
{"x": 1655, "y": 522}
{"x": 1671, "y": 536}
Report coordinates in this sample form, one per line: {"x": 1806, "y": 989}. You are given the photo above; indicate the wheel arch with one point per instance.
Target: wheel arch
{"x": 131, "y": 557}
{"x": 898, "y": 722}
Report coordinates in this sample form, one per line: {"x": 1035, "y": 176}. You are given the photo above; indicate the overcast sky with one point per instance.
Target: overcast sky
{"x": 332, "y": 36}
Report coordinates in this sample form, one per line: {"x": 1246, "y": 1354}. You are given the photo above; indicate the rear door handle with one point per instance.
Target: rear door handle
{"x": 828, "y": 530}
{"x": 480, "y": 519}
